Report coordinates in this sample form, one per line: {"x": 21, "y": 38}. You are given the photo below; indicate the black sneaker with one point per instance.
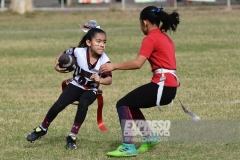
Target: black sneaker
{"x": 71, "y": 142}
{"x": 36, "y": 134}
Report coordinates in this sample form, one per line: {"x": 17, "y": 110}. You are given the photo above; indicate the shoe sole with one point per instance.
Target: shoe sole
{"x": 36, "y": 139}
{"x": 122, "y": 156}
{"x": 148, "y": 148}
{"x": 70, "y": 147}
{"x": 132, "y": 155}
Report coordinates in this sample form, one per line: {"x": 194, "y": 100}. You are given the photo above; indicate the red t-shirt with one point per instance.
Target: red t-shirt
{"x": 159, "y": 49}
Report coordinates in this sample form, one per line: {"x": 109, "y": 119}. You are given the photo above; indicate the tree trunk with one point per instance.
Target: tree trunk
{"x": 21, "y": 6}
{"x": 69, "y": 3}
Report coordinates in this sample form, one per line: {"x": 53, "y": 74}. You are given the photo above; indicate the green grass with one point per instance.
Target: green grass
{"x": 207, "y": 50}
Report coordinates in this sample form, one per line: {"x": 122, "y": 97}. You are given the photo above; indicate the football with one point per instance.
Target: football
{"x": 67, "y": 61}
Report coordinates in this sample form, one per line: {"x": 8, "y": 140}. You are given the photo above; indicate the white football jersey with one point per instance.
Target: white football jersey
{"x": 85, "y": 69}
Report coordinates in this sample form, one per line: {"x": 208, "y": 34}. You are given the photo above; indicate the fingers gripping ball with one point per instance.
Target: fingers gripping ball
{"x": 67, "y": 61}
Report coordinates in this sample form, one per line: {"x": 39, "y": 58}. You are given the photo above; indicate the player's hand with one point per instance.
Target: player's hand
{"x": 106, "y": 67}
{"x": 61, "y": 70}
{"x": 95, "y": 78}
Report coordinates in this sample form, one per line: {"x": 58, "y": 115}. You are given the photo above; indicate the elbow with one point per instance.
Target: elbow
{"x": 110, "y": 82}
{"x": 138, "y": 66}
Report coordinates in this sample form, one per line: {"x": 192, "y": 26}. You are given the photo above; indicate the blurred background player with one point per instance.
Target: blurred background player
{"x": 90, "y": 56}
{"x": 159, "y": 50}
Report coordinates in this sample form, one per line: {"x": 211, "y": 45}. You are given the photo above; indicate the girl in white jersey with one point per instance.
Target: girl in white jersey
{"x": 90, "y": 56}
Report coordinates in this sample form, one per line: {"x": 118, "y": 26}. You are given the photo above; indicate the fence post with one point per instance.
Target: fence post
{"x": 228, "y": 3}
{"x": 175, "y": 4}
{"x": 62, "y": 3}
{"x": 123, "y": 4}
{"x": 2, "y": 4}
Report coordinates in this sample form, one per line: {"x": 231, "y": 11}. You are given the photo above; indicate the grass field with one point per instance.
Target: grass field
{"x": 207, "y": 50}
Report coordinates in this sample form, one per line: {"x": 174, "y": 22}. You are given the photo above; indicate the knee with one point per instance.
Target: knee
{"x": 83, "y": 105}
{"x": 119, "y": 104}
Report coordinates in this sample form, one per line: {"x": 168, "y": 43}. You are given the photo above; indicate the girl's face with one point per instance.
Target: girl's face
{"x": 98, "y": 43}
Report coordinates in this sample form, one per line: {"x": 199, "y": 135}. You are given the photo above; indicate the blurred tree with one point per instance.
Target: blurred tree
{"x": 21, "y": 6}
{"x": 68, "y": 2}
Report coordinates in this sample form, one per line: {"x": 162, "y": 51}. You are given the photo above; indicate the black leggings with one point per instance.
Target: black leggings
{"x": 146, "y": 96}
{"x": 69, "y": 95}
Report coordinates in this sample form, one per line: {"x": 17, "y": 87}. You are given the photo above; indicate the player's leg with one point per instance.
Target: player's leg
{"x": 86, "y": 99}
{"x": 127, "y": 115}
{"x": 144, "y": 97}
{"x": 149, "y": 139}
{"x": 69, "y": 95}
{"x": 128, "y": 109}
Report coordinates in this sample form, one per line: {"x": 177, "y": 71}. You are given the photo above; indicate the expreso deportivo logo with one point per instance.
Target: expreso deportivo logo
{"x": 145, "y": 128}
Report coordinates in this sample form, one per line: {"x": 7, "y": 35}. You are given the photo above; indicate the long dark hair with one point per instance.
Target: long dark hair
{"x": 156, "y": 15}
{"x": 89, "y": 35}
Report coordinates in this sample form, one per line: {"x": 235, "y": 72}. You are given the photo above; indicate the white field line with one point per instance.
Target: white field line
{"x": 36, "y": 31}
{"x": 60, "y": 31}
{"x": 189, "y": 104}
{"x": 73, "y": 9}
{"x": 25, "y": 109}
{"x": 131, "y": 8}
{"x": 215, "y": 103}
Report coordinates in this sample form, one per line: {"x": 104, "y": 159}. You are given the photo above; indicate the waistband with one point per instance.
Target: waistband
{"x": 163, "y": 70}
{"x": 88, "y": 86}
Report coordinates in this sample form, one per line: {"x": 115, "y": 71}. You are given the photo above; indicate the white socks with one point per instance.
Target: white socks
{"x": 43, "y": 128}
{"x": 73, "y": 134}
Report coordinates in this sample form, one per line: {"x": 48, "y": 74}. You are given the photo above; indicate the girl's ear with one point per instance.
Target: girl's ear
{"x": 145, "y": 22}
{"x": 88, "y": 42}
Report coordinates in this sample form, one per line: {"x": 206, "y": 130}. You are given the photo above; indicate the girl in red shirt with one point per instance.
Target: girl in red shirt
{"x": 159, "y": 50}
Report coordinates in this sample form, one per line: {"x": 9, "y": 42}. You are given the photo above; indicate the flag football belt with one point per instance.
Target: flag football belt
{"x": 161, "y": 83}
{"x": 86, "y": 85}
{"x": 101, "y": 125}
{"x": 160, "y": 90}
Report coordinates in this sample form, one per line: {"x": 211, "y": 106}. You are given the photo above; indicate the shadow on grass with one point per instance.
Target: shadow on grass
{"x": 81, "y": 142}
{"x": 46, "y": 141}
{"x": 105, "y": 145}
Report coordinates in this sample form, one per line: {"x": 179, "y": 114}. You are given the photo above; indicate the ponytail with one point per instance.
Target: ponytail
{"x": 169, "y": 21}
{"x": 154, "y": 15}
{"x": 83, "y": 43}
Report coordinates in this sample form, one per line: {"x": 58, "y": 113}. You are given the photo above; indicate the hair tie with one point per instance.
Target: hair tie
{"x": 89, "y": 25}
{"x": 157, "y": 10}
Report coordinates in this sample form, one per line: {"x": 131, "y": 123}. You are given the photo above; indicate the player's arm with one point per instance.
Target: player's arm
{"x": 129, "y": 65}
{"x": 56, "y": 66}
{"x": 105, "y": 81}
